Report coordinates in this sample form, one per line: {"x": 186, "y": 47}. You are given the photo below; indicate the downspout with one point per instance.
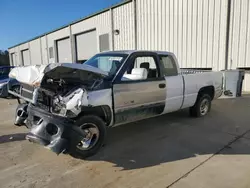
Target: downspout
{"x": 47, "y": 48}
{"x": 29, "y": 53}
{"x": 72, "y": 46}
{"x": 229, "y": 6}
{"x": 135, "y": 23}
{"x": 112, "y": 30}
{"x": 41, "y": 51}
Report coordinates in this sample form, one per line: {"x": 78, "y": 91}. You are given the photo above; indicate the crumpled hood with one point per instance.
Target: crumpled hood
{"x": 83, "y": 67}
{"x": 34, "y": 74}
{"x": 31, "y": 75}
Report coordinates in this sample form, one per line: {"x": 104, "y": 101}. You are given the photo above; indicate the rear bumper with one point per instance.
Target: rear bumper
{"x": 54, "y": 132}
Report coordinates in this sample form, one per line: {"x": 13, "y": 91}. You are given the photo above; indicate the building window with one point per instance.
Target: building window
{"x": 51, "y": 52}
{"x": 104, "y": 42}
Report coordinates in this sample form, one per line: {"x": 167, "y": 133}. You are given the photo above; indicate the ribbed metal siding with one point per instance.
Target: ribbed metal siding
{"x": 123, "y": 19}
{"x": 195, "y": 30}
{"x": 239, "y": 43}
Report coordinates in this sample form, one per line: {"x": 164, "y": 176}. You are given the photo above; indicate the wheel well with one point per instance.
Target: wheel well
{"x": 104, "y": 112}
{"x": 207, "y": 90}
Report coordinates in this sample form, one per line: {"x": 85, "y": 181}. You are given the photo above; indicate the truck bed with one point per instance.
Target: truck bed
{"x": 193, "y": 71}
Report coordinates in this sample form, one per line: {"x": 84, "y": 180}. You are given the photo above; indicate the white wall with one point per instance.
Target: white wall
{"x": 52, "y": 37}
{"x": 195, "y": 30}
{"x": 44, "y": 50}
{"x": 17, "y": 50}
{"x": 123, "y": 19}
{"x": 101, "y": 22}
{"x": 239, "y": 51}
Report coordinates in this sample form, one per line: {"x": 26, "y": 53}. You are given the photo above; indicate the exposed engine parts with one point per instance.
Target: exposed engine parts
{"x": 71, "y": 103}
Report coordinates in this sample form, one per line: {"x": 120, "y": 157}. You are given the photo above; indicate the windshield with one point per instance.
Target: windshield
{"x": 109, "y": 63}
{"x": 4, "y": 72}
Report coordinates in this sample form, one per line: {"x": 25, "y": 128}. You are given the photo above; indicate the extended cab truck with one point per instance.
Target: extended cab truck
{"x": 73, "y": 104}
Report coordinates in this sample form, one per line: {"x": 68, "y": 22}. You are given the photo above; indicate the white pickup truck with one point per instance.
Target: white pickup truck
{"x": 70, "y": 105}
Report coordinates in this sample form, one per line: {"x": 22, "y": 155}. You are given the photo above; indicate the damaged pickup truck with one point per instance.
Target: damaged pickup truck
{"x": 69, "y": 106}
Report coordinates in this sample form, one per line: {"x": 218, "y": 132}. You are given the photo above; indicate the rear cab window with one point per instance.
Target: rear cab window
{"x": 168, "y": 65}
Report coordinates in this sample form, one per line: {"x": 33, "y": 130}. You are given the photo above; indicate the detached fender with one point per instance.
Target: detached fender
{"x": 51, "y": 131}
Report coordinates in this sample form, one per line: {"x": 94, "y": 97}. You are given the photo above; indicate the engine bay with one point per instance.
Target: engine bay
{"x": 65, "y": 96}
{"x": 61, "y": 89}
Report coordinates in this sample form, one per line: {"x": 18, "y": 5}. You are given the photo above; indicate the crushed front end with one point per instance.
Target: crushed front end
{"x": 53, "y": 104}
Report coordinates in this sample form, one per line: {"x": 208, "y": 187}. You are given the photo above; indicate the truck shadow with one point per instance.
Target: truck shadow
{"x": 12, "y": 137}
{"x": 174, "y": 137}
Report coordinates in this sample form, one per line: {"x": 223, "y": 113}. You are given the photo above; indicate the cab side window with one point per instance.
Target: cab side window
{"x": 169, "y": 66}
{"x": 142, "y": 68}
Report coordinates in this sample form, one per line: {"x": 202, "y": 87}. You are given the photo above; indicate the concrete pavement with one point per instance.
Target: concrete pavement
{"x": 173, "y": 150}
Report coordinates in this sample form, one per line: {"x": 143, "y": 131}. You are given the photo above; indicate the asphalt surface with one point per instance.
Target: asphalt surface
{"x": 173, "y": 150}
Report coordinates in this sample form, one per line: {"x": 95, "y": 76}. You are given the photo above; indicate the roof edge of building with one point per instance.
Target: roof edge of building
{"x": 74, "y": 22}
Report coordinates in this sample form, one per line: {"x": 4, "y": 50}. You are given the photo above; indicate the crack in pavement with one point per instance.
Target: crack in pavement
{"x": 219, "y": 151}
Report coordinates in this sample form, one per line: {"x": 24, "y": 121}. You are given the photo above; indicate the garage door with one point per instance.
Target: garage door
{"x": 26, "y": 57}
{"x": 63, "y": 51}
{"x": 86, "y": 45}
{"x": 13, "y": 59}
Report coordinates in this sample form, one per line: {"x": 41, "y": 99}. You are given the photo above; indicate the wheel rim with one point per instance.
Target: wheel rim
{"x": 91, "y": 138}
{"x": 204, "y": 107}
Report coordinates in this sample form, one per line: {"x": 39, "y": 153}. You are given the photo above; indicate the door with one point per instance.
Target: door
{"x": 139, "y": 90}
{"x": 26, "y": 57}
{"x": 13, "y": 59}
{"x": 63, "y": 51}
{"x": 174, "y": 82}
{"x": 86, "y": 45}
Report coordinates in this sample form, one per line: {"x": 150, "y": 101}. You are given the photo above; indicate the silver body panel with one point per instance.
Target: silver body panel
{"x": 135, "y": 101}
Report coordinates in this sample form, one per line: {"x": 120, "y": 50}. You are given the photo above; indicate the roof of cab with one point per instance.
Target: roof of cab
{"x": 133, "y": 51}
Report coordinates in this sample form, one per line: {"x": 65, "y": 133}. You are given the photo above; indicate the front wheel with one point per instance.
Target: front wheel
{"x": 202, "y": 106}
{"x": 95, "y": 131}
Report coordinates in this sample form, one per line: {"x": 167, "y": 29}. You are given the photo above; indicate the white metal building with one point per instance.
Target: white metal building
{"x": 202, "y": 33}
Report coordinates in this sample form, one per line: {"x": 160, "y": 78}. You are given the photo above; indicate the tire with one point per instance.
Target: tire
{"x": 85, "y": 123}
{"x": 197, "y": 110}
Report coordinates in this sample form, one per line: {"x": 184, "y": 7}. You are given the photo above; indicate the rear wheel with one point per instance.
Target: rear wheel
{"x": 202, "y": 106}
{"x": 94, "y": 130}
